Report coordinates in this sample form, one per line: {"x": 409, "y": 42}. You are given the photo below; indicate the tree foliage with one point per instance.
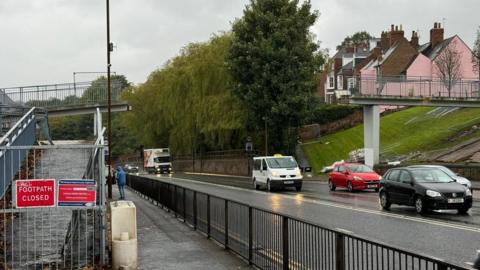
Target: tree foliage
{"x": 356, "y": 39}
{"x": 188, "y": 104}
{"x": 273, "y": 60}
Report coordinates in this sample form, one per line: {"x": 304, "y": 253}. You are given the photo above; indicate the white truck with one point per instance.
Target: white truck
{"x": 157, "y": 160}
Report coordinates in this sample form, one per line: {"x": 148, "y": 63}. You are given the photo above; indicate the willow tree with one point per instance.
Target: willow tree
{"x": 187, "y": 104}
{"x": 273, "y": 60}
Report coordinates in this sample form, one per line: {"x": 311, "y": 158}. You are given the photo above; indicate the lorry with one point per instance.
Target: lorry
{"x": 157, "y": 160}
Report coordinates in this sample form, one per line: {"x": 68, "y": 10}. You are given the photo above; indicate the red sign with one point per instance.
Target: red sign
{"x": 35, "y": 193}
{"x": 77, "y": 193}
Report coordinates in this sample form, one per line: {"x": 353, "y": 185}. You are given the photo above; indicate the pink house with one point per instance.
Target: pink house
{"x": 440, "y": 68}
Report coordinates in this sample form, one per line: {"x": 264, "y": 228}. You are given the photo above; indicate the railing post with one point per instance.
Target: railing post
{"x": 442, "y": 266}
{"x": 286, "y": 259}
{"x": 339, "y": 251}
{"x": 194, "y": 210}
{"x": 208, "y": 216}
{"x": 226, "y": 224}
{"x": 184, "y": 206}
{"x": 175, "y": 200}
{"x": 250, "y": 235}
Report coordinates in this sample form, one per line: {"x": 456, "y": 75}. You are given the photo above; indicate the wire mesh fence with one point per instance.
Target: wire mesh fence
{"x": 51, "y": 236}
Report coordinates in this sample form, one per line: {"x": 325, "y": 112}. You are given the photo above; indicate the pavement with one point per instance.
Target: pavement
{"x": 456, "y": 237}
{"x": 164, "y": 242}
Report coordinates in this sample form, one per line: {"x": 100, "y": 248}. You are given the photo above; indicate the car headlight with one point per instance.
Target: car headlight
{"x": 433, "y": 193}
{"x": 275, "y": 174}
{"x": 358, "y": 178}
{"x": 380, "y": 177}
{"x": 468, "y": 192}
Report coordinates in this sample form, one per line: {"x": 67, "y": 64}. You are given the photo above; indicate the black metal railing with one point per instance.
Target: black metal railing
{"x": 272, "y": 240}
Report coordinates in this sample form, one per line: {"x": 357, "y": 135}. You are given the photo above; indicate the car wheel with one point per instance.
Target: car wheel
{"x": 350, "y": 186}
{"x": 298, "y": 188}
{"x": 269, "y": 186}
{"x": 384, "y": 201}
{"x": 419, "y": 206}
{"x": 255, "y": 185}
{"x": 331, "y": 185}
{"x": 463, "y": 210}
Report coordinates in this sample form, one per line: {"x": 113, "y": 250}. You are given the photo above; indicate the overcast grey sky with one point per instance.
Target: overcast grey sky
{"x": 45, "y": 41}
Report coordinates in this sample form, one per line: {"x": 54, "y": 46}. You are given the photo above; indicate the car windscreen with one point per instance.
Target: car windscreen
{"x": 359, "y": 168}
{"x": 431, "y": 176}
{"x": 161, "y": 159}
{"x": 285, "y": 162}
{"x": 448, "y": 171}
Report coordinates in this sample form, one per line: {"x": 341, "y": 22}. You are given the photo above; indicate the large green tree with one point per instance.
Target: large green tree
{"x": 273, "y": 61}
{"x": 356, "y": 39}
{"x": 187, "y": 105}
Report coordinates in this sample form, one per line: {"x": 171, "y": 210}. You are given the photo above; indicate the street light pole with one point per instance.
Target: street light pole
{"x": 266, "y": 136}
{"x": 109, "y": 49}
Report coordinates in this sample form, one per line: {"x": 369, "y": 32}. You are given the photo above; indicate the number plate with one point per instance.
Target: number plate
{"x": 288, "y": 182}
{"x": 372, "y": 186}
{"x": 456, "y": 200}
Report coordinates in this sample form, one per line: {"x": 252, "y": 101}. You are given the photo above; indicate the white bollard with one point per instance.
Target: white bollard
{"x": 124, "y": 235}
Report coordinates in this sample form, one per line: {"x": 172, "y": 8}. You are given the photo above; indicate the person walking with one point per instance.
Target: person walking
{"x": 121, "y": 180}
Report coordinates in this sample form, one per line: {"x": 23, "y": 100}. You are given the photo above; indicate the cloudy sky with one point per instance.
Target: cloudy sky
{"x": 45, "y": 41}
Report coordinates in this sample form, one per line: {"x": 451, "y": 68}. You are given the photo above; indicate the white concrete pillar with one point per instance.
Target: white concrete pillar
{"x": 95, "y": 120}
{"x": 371, "y": 134}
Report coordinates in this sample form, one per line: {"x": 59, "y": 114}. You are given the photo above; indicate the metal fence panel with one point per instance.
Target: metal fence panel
{"x": 274, "y": 241}
{"x": 55, "y": 237}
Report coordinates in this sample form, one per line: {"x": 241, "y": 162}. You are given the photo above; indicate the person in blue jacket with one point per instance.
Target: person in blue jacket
{"x": 121, "y": 180}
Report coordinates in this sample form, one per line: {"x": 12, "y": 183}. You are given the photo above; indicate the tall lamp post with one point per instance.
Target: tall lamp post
{"x": 266, "y": 135}
{"x": 109, "y": 49}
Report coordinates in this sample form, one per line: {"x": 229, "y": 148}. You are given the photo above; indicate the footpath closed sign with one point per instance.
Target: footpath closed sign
{"x": 77, "y": 192}
{"x": 34, "y": 193}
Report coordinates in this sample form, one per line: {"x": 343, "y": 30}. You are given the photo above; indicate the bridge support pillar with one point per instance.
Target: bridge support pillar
{"x": 371, "y": 134}
{"x": 95, "y": 120}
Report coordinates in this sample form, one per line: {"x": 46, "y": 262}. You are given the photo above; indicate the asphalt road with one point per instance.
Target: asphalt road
{"x": 444, "y": 235}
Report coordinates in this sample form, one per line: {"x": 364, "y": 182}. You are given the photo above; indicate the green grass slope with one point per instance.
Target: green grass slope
{"x": 400, "y": 133}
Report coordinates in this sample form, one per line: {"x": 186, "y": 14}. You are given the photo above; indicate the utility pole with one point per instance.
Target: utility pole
{"x": 109, "y": 49}
{"x": 266, "y": 136}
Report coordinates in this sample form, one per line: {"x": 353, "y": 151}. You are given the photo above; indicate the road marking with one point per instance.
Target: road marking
{"x": 343, "y": 230}
{"x": 214, "y": 174}
{"x": 351, "y": 208}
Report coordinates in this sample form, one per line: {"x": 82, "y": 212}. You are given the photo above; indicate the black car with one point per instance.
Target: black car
{"x": 424, "y": 188}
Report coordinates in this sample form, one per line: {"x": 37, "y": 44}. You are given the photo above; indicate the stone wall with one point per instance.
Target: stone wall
{"x": 230, "y": 166}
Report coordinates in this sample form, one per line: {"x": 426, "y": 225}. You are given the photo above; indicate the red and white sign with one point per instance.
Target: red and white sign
{"x": 77, "y": 192}
{"x": 34, "y": 193}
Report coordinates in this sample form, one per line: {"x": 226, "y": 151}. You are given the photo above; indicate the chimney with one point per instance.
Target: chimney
{"x": 436, "y": 35}
{"x": 384, "y": 41}
{"x": 414, "y": 40}
{"x": 396, "y": 35}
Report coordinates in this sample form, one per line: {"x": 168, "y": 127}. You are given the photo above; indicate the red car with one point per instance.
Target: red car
{"x": 353, "y": 176}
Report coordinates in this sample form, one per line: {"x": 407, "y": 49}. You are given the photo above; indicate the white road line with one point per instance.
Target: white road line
{"x": 357, "y": 209}
{"x": 343, "y": 230}
{"x": 215, "y": 174}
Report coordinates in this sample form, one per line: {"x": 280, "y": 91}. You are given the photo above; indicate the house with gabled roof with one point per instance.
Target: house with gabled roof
{"x": 413, "y": 64}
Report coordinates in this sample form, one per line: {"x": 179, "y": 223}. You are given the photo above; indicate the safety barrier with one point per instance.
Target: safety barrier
{"x": 272, "y": 240}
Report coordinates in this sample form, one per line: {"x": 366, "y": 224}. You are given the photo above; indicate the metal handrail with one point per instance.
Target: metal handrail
{"x": 6, "y": 137}
{"x": 169, "y": 198}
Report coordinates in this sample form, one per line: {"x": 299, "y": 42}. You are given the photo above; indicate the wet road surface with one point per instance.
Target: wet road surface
{"x": 444, "y": 235}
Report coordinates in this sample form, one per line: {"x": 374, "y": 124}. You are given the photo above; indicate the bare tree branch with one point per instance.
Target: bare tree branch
{"x": 448, "y": 65}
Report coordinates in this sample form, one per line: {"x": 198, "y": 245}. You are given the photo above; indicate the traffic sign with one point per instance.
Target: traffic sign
{"x": 77, "y": 192}
{"x": 34, "y": 193}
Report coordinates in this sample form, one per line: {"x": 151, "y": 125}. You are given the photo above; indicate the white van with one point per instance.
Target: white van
{"x": 276, "y": 172}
